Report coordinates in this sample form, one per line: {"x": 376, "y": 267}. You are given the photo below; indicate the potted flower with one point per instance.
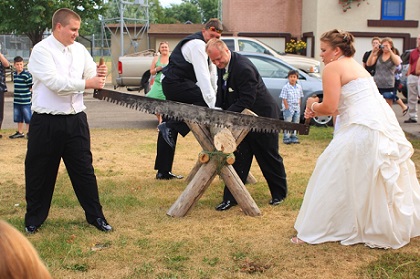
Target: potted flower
{"x": 294, "y": 46}
{"x": 346, "y": 4}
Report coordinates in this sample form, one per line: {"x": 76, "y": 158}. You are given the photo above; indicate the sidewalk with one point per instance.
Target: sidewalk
{"x": 101, "y": 114}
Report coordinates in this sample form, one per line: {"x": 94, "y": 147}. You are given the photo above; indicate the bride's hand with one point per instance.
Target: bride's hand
{"x": 308, "y": 112}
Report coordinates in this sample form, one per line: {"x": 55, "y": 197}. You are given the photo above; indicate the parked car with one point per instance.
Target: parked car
{"x": 306, "y": 64}
{"x": 274, "y": 73}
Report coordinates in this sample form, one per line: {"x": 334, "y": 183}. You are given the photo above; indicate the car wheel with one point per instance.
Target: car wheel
{"x": 322, "y": 120}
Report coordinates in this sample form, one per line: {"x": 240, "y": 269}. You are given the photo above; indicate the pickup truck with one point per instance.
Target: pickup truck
{"x": 133, "y": 69}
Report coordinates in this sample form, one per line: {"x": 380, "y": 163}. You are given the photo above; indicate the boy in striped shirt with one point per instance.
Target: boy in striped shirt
{"x": 22, "y": 98}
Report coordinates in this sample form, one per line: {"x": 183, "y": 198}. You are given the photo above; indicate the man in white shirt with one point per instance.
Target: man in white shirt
{"x": 62, "y": 69}
{"x": 190, "y": 78}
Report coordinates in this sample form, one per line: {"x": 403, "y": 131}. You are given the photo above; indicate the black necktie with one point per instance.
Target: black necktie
{"x": 224, "y": 82}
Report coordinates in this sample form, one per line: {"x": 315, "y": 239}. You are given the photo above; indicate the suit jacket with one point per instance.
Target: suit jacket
{"x": 244, "y": 88}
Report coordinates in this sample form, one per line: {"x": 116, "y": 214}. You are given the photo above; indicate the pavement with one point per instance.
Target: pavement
{"x": 102, "y": 114}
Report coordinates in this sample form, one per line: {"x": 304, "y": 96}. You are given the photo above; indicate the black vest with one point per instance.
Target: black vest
{"x": 178, "y": 67}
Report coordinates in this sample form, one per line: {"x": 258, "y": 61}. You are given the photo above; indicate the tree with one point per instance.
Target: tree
{"x": 195, "y": 11}
{"x": 208, "y": 9}
{"x": 33, "y": 17}
{"x": 184, "y": 12}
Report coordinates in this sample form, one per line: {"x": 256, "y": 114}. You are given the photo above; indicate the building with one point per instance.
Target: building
{"x": 275, "y": 22}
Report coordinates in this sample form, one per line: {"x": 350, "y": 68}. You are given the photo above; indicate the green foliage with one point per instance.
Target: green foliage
{"x": 33, "y": 17}
{"x": 182, "y": 13}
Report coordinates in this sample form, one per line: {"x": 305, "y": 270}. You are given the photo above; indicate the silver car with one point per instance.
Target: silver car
{"x": 274, "y": 73}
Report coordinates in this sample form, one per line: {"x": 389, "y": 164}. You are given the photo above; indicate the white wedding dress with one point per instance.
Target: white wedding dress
{"x": 364, "y": 187}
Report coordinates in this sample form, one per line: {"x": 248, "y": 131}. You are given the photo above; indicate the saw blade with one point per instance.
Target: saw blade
{"x": 198, "y": 114}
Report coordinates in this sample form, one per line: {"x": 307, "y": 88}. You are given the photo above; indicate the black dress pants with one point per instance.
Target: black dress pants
{"x": 265, "y": 147}
{"x": 183, "y": 91}
{"x": 54, "y": 137}
{"x": 1, "y": 107}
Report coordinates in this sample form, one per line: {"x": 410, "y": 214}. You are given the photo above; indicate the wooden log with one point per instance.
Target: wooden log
{"x": 250, "y": 179}
{"x": 223, "y": 139}
{"x": 239, "y": 191}
{"x": 194, "y": 190}
{"x": 204, "y": 138}
{"x": 203, "y": 157}
{"x": 230, "y": 159}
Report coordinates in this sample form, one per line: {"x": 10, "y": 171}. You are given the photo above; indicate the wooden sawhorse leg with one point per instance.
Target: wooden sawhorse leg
{"x": 206, "y": 173}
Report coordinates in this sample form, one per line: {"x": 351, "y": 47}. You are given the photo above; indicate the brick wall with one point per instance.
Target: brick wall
{"x": 268, "y": 16}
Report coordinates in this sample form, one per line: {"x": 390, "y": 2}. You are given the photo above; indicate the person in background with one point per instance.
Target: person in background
{"x": 22, "y": 96}
{"x": 397, "y": 84}
{"x": 158, "y": 63}
{"x": 18, "y": 257}
{"x": 418, "y": 73}
{"x": 291, "y": 95}
{"x": 364, "y": 187}
{"x": 240, "y": 87}
{"x": 189, "y": 78}
{"x": 376, "y": 41}
{"x": 412, "y": 83}
{"x": 62, "y": 69}
{"x": 386, "y": 62}
{"x": 4, "y": 63}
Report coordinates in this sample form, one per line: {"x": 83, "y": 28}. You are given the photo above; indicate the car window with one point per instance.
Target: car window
{"x": 269, "y": 68}
{"x": 230, "y": 44}
{"x": 250, "y": 46}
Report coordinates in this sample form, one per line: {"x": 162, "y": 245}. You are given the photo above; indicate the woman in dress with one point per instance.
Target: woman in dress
{"x": 156, "y": 67}
{"x": 364, "y": 187}
{"x": 386, "y": 61}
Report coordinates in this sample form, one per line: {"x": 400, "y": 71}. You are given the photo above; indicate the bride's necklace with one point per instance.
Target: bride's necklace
{"x": 342, "y": 56}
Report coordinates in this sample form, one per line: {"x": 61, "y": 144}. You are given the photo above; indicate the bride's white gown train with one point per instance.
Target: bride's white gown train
{"x": 364, "y": 187}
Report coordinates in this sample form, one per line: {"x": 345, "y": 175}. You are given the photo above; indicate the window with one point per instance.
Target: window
{"x": 250, "y": 46}
{"x": 393, "y": 9}
{"x": 269, "y": 68}
{"x": 230, "y": 44}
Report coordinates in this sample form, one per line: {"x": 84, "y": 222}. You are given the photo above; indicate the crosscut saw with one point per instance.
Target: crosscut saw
{"x": 198, "y": 114}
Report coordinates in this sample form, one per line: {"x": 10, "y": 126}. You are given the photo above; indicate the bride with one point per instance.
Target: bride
{"x": 364, "y": 187}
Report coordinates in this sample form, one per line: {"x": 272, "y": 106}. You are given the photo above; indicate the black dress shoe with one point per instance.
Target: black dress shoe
{"x": 276, "y": 201}
{"x": 166, "y": 134}
{"x": 410, "y": 120}
{"x": 167, "y": 175}
{"x": 102, "y": 225}
{"x": 225, "y": 205}
{"x": 31, "y": 229}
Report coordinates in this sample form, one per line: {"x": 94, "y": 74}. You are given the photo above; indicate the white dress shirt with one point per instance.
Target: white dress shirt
{"x": 194, "y": 52}
{"x": 59, "y": 75}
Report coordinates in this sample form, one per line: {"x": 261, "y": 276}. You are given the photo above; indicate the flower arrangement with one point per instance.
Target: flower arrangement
{"x": 294, "y": 46}
{"x": 346, "y": 4}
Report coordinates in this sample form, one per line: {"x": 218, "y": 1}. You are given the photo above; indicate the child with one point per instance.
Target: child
{"x": 291, "y": 94}
{"x": 22, "y": 98}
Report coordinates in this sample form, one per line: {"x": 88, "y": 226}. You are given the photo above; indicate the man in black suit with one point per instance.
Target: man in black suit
{"x": 189, "y": 78}
{"x": 239, "y": 87}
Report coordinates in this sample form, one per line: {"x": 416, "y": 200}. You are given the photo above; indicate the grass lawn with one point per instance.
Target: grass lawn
{"x": 147, "y": 243}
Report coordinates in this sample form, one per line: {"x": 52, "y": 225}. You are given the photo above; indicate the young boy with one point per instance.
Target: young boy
{"x": 22, "y": 98}
{"x": 291, "y": 94}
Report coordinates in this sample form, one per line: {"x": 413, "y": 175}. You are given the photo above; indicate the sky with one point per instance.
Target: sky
{"x": 167, "y": 3}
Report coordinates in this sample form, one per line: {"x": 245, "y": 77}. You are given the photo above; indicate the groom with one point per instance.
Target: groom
{"x": 239, "y": 87}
